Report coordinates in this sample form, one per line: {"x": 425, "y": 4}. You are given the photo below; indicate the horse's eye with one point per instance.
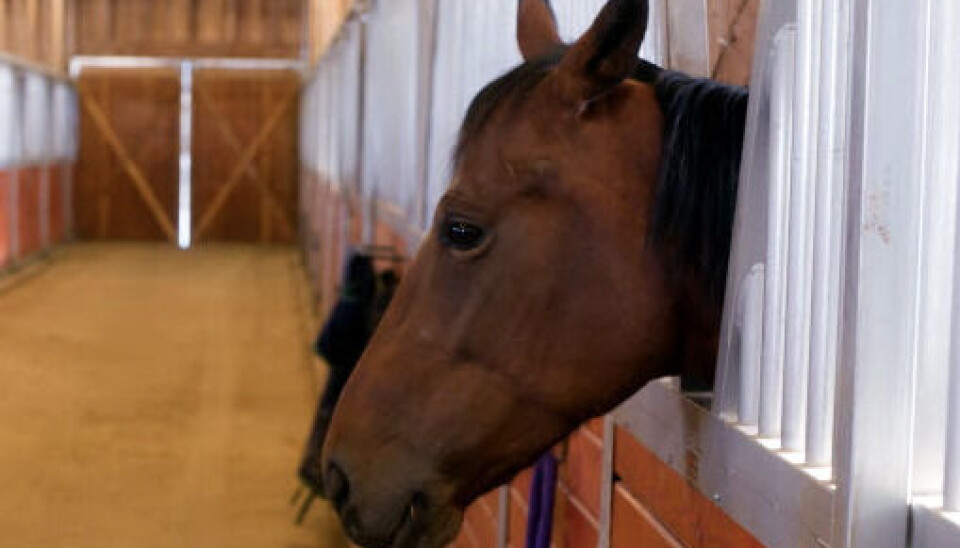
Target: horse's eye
{"x": 461, "y": 235}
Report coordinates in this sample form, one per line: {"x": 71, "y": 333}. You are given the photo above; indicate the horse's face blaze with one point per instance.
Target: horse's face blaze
{"x": 533, "y": 304}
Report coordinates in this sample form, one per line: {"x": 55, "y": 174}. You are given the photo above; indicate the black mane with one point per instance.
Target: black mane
{"x": 700, "y": 168}
{"x": 703, "y": 131}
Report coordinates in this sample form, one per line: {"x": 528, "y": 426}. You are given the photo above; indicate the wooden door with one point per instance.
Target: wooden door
{"x": 245, "y": 155}
{"x": 127, "y": 185}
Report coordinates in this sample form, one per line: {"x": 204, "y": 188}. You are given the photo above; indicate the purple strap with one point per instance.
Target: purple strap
{"x": 542, "y": 491}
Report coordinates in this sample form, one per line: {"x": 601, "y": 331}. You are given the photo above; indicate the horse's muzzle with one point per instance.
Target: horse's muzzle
{"x": 404, "y": 530}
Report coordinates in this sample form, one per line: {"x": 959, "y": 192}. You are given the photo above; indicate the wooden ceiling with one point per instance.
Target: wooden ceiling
{"x": 34, "y": 31}
{"x": 48, "y": 32}
{"x": 191, "y": 28}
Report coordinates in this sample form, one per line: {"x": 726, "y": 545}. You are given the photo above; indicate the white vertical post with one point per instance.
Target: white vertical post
{"x": 951, "y": 479}
{"x": 751, "y": 346}
{"x": 802, "y": 190}
{"x": 185, "y": 217}
{"x": 18, "y": 138}
{"x": 827, "y": 257}
{"x": 875, "y": 410}
{"x": 941, "y": 143}
{"x": 945, "y": 144}
{"x": 14, "y": 218}
{"x": 774, "y": 308}
{"x": 503, "y": 517}
{"x": 606, "y": 484}
{"x": 46, "y": 161}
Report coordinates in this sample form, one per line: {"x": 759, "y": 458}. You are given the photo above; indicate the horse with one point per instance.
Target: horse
{"x": 579, "y": 253}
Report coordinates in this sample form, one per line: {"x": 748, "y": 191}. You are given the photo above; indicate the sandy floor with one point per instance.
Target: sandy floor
{"x": 150, "y": 397}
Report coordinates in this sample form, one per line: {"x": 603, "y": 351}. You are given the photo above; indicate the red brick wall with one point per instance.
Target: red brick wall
{"x": 577, "y": 508}
{"x": 29, "y": 218}
{"x": 652, "y": 505}
{"x": 29, "y": 182}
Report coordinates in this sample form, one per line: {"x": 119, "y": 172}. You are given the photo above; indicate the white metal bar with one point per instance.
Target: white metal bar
{"x": 800, "y": 261}
{"x": 503, "y": 517}
{"x": 940, "y": 134}
{"x": 80, "y": 62}
{"x": 606, "y": 484}
{"x": 427, "y": 52}
{"x": 827, "y": 257}
{"x": 878, "y": 343}
{"x": 751, "y": 347}
{"x": 185, "y": 215}
{"x": 949, "y": 16}
{"x": 951, "y": 482}
{"x": 774, "y": 314}
{"x": 15, "y": 216}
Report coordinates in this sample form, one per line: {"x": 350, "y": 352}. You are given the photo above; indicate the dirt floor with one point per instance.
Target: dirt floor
{"x": 151, "y": 397}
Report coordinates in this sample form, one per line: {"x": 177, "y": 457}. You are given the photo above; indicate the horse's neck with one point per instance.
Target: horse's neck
{"x": 696, "y": 201}
{"x": 700, "y": 317}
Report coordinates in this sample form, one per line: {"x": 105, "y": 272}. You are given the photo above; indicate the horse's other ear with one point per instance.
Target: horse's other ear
{"x": 537, "y": 32}
{"x": 607, "y": 54}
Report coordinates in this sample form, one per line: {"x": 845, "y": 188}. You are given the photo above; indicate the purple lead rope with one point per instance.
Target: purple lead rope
{"x": 542, "y": 493}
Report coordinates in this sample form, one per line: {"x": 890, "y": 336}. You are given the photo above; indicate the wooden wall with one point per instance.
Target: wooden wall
{"x": 35, "y": 31}
{"x": 733, "y": 27}
{"x": 128, "y": 170}
{"x": 324, "y": 20}
{"x": 191, "y": 28}
{"x": 245, "y": 165}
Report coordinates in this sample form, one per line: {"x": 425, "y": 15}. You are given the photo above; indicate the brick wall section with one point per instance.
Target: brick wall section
{"x": 28, "y": 205}
{"x": 653, "y": 506}
{"x": 28, "y": 215}
{"x": 577, "y": 509}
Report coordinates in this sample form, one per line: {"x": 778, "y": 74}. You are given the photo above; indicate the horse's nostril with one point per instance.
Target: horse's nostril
{"x": 418, "y": 506}
{"x": 337, "y": 486}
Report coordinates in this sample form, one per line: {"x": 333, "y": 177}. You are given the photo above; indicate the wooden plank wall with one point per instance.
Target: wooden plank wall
{"x": 128, "y": 170}
{"x": 325, "y": 18}
{"x": 245, "y": 155}
{"x": 191, "y": 28}
{"x": 35, "y": 31}
{"x": 733, "y": 27}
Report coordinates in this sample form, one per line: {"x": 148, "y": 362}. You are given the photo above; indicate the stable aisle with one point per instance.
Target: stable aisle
{"x": 156, "y": 398}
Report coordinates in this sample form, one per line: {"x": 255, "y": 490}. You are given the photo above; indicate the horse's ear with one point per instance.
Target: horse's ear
{"x": 607, "y": 54}
{"x": 537, "y": 32}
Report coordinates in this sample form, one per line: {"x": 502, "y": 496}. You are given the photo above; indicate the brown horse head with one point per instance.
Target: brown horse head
{"x": 536, "y": 300}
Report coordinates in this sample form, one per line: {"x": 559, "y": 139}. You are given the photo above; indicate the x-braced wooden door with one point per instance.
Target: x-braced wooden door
{"x": 127, "y": 174}
{"x": 245, "y": 155}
